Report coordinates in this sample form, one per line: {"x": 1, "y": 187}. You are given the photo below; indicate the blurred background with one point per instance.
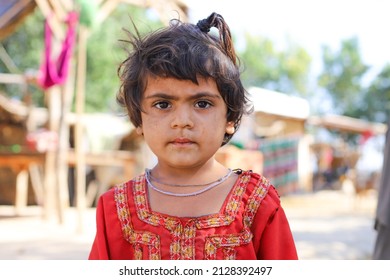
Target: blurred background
{"x": 318, "y": 74}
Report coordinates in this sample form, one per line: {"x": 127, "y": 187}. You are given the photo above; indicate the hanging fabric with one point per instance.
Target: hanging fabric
{"x": 55, "y": 71}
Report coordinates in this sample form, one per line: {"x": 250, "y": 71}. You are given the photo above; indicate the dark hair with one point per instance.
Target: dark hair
{"x": 183, "y": 51}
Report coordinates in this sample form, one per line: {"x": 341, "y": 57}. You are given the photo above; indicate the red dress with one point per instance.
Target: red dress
{"x": 251, "y": 225}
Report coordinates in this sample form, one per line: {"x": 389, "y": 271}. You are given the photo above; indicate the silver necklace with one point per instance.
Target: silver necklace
{"x": 152, "y": 178}
{"x": 208, "y": 187}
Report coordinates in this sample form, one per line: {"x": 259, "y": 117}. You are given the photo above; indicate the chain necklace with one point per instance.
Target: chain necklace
{"x": 152, "y": 178}
{"x": 208, "y": 186}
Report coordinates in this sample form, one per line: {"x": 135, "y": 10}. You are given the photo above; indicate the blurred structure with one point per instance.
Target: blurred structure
{"x": 273, "y": 141}
{"x": 12, "y": 14}
{"x": 17, "y": 160}
{"x": 337, "y": 161}
{"x": 48, "y": 143}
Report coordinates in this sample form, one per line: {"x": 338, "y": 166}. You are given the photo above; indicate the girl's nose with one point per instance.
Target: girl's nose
{"x": 182, "y": 118}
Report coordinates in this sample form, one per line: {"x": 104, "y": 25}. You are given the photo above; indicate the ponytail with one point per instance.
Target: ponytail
{"x": 225, "y": 37}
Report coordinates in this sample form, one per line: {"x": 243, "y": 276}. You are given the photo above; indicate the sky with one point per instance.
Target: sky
{"x": 308, "y": 23}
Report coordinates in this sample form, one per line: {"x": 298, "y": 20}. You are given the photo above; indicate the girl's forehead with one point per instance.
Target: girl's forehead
{"x": 174, "y": 86}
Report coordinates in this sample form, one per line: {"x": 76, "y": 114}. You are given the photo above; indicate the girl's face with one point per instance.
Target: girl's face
{"x": 184, "y": 123}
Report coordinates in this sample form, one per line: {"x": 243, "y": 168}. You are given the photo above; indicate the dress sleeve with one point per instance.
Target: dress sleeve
{"x": 99, "y": 250}
{"x": 276, "y": 241}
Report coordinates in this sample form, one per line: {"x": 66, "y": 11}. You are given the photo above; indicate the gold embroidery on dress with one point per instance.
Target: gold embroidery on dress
{"x": 226, "y": 241}
{"x": 183, "y": 237}
{"x": 229, "y": 242}
{"x": 136, "y": 238}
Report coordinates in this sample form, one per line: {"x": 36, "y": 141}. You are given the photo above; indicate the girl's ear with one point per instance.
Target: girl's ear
{"x": 139, "y": 130}
{"x": 230, "y": 128}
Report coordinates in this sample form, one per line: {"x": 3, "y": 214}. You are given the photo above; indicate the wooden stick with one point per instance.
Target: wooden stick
{"x": 79, "y": 127}
{"x": 21, "y": 191}
{"x": 12, "y": 78}
{"x": 68, "y": 4}
{"x": 106, "y": 9}
{"x": 8, "y": 62}
{"x": 53, "y": 19}
{"x": 58, "y": 9}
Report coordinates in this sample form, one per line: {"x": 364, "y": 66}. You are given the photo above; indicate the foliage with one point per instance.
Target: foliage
{"x": 104, "y": 54}
{"x": 343, "y": 75}
{"x": 284, "y": 71}
{"x": 377, "y": 98}
{"x": 25, "y": 48}
{"x": 344, "y": 80}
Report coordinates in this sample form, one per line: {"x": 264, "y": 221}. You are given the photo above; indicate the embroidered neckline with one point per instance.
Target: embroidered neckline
{"x": 225, "y": 216}
{"x": 183, "y": 230}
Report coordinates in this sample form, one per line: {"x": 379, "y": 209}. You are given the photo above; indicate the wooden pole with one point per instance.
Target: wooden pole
{"x": 62, "y": 191}
{"x": 106, "y": 9}
{"x": 54, "y": 21}
{"x": 79, "y": 126}
{"x": 21, "y": 190}
{"x": 50, "y": 197}
{"x": 6, "y": 78}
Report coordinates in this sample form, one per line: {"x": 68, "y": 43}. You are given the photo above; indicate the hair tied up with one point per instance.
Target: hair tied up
{"x": 204, "y": 25}
{"x": 225, "y": 37}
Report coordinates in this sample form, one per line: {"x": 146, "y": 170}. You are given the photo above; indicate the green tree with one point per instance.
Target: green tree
{"x": 105, "y": 52}
{"x": 344, "y": 80}
{"x": 284, "y": 71}
{"x": 377, "y": 98}
{"x": 342, "y": 77}
{"x": 24, "y": 47}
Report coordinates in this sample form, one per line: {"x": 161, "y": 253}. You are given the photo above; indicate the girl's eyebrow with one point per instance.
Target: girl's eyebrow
{"x": 192, "y": 97}
{"x": 159, "y": 95}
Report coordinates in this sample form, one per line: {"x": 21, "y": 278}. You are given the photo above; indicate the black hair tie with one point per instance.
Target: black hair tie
{"x": 203, "y": 25}
{"x": 238, "y": 171}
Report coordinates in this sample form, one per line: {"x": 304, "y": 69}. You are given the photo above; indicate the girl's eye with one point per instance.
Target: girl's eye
{"x": 203, "y": 104}
{"x": 162, "y": 105}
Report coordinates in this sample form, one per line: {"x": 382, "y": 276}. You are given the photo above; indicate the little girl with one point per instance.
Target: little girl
{"x": 182, "y": 90}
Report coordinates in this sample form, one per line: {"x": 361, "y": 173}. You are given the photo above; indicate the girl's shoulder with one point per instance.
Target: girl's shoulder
{"x": 254, "y": 181}
{"x": 121, "y": 188}
{"x": 253, "y": 193}
{"x": 260, "y": 188}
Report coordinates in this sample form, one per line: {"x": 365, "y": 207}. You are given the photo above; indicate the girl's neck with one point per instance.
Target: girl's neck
{"x": 206, "y": 203}
{"x": 198, "y": 175}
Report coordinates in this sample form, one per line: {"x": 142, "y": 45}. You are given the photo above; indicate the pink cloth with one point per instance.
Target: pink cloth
{"x": 55, "y": 71}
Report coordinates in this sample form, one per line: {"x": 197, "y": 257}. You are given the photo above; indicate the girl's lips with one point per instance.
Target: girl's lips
{"x": 182, "y": 141}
